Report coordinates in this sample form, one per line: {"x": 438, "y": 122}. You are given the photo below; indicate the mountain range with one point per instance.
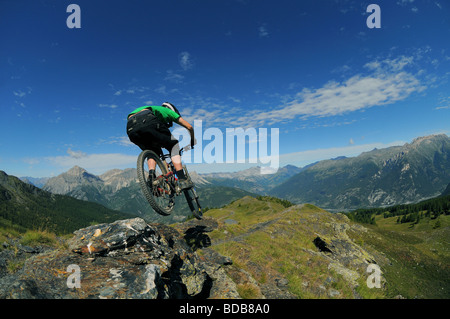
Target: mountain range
{"x": 252, "y": 180}
{"x": 120, "y": 190}
{"x": 381, "y": 177}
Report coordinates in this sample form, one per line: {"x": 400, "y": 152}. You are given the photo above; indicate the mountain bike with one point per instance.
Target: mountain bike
{"x": 161, "y": 189}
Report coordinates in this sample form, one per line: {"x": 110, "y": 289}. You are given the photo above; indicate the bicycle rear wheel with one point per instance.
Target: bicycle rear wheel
{"x": 156, "y": 189}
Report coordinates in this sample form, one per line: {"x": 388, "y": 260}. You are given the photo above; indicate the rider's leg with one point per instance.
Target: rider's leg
{"x": 176, "y": 160}
{"x": 175, "y": 157}
{"x": 151, "y": 164}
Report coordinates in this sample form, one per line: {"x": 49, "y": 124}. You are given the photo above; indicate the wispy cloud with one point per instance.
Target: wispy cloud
{"x": 235, "y": 100}
{"x": 404, "y": 2}
{"x": 174, "y": 77}
{"x": 185, "y": 61}
{"x": 76, "y": 154}
{"x": 95, "y": 163}
{"x": 444, "y": 103}
{"x": 386, "y": 83}
{"x": 19, "y": 93}
{"x": 111, "y": 106}
{"x": 119, "y": 140}
{"x": 262, "y": 31}
{"x": 22, "y": 93}
{"x": 161, "y": 90}
{"x": 383, "y": 82}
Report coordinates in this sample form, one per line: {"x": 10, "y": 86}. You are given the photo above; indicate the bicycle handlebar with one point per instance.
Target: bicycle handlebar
{"x": 183, "y": 149}
{"x": 186, "y": 148}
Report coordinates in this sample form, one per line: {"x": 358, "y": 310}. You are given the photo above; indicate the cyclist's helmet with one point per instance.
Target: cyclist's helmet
{"x": 171, "y": 107}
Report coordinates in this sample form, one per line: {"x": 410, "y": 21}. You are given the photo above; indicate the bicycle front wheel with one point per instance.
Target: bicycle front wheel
{"x": 192, "y": 198}
{"x": 157, "y": 189}
{"x": 193, "y": 203}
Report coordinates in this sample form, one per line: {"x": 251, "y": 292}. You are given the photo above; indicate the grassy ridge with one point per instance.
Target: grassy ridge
{"x": 268, "y": 241}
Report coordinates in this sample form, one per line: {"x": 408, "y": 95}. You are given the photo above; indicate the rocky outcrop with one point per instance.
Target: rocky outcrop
{"x": 125, "y": 259}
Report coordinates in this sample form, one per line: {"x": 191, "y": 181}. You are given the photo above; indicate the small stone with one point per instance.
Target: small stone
{"x": 333, "y": 292}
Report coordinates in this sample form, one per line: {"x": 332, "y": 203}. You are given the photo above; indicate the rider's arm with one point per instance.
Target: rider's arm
{"x": 189, "y": 127}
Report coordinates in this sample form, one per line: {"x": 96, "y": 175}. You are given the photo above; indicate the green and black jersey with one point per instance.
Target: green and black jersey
{"x": 162, "y": 113}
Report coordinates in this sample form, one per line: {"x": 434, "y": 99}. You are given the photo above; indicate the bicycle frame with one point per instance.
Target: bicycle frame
{"x": 171, "y": 169}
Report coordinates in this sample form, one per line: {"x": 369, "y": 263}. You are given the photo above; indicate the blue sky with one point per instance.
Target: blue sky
{"x": 312, "y": 69}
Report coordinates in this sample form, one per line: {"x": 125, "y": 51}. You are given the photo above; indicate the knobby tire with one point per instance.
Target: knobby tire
{"x": 146, "y": 189}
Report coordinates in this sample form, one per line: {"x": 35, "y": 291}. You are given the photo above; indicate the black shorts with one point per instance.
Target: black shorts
{"x": 147, "y": 132}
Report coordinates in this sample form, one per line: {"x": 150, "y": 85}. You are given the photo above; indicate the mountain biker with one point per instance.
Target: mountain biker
{"x": 148, "y": 128}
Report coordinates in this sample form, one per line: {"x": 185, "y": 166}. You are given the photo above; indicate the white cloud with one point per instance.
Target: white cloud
{"x": 381, "y": 82}
{"x": 404, "y": 2}
{"x": 185, "y": 61}
{"x": 387, "y": 84}
{"x": 133, "y": 90}
{"x": 174, "y": 77}
{"x": 94, "y": 163}
{"x": 111, "y": 106}
{"x": 263, "y": 33}
{"x": 235, "y": 100}
{"x": 120, "y": 140}
{"x": 444, "y": 103}
{"x": 76, "y": 154}
{"x": 161, "y": 90}
{"x": 19, "y": 93}
{"x": 392, "y": 65}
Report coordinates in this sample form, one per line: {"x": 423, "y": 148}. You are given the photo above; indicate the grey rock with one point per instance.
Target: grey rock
{"x": 127, "y": 259}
